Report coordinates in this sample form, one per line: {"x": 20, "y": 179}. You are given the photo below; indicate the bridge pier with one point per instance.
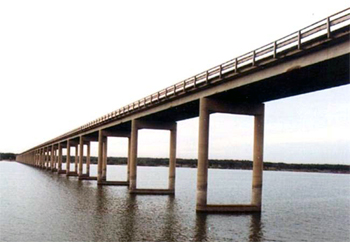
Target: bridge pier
{"x": 54, "y": 167}
{"x": 68, "y": 159}
{"x": 47, "y": 167}
{"x": 208, "y": 106}
{"x": 81, "y": 156}
{"x": 43, "y": 158}
{"x": 52, "y": 158}
{"x": 76, "y": 159}
{"x": 81, "y": 175}
{"x": 85, "y": 140}
{"x": 102, "y": 159}
{"x": 135, "y": 126}
{"x": 59, "y": 165}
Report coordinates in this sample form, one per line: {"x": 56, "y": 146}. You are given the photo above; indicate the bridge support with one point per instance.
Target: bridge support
{"x": 86, "y": 176}
{"x": 59, "y": 165}
{"x": 76, "y": 159}
{"x": 208, "y": 106}
{"x": 135, "y": 126}
{"x": 102, "y": 158}
{"x": 53, "y": 158}
{"x": 68, "y": 159}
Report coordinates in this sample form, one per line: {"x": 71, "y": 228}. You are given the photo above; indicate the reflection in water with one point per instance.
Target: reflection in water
{"x": 170, "y": 220}
{"x": 201, "y": 227}
{"x": 128, "y": 220}
{"x": 256, "y": 233}
{"x": 202, "y": 233}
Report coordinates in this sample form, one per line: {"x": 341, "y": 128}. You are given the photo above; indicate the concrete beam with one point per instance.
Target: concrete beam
{"x": 219, "y": 106}
{"x": 119, "y": 133}
{"x": 143, "y": 124}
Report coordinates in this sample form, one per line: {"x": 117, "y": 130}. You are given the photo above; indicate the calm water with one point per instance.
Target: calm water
{"x": 37, "y": 205}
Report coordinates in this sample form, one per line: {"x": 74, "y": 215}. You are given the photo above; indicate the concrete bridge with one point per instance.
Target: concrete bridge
{"x": 311, "y": 59}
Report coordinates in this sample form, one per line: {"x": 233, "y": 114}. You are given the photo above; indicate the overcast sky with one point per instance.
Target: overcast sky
{"x": 65, "y": 63}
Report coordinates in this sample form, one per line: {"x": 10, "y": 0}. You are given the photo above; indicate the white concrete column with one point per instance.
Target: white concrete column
{"x": 203, "y": 153}
{"x": 44, "y": 158}
{"x": 76, "y": 159}
{"x": 133, "y": 155}
{"x": 52, "y": 157}
{"x": 172, "y": 159}
{"x": 88, "y": 159}
{"x": 81, "y": 155}
{"x": 68, "y": 158}
{"x": 128, "y": 159}
{"x": 59, "y": 157}
{"x": 47, "y": 158}
{"x": 55, "y": 158}
{"x": 258, "y": 160}
{"x": 100, "y": 156}
{"x": 105, "y": 154}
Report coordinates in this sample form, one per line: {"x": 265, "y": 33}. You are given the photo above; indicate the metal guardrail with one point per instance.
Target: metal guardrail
{"x": 324, "y": 27}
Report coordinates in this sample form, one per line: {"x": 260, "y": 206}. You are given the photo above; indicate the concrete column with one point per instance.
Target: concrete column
{"x": 36, "y": 158}
{"x": 104, "y": 164}
{"x": 55, "y": 159}
{"x": 100, "y": 156}
{"x": 258, "y": 160}
{"x": 172, "y": 159}
{"x": 128, "y": 160}
{"x": 81, "y": 155}
{"x": 44, "y": 158}
{"x": 68, "y": 158}
{"x": 203, "y": 146}
{"x": 133, "y": 155}
{"x": 39, "y": 158}
{"x": 59, "y": 167}
{"x": 88, "y": 159}
{"x": 52, "y": 157}
{"x": 76, "y": 159}
{"x": 47, "y": 158}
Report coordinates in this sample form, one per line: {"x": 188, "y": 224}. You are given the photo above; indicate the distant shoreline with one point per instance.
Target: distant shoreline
{"x": 217, "y": 164}
{"x": 231, "y": 164}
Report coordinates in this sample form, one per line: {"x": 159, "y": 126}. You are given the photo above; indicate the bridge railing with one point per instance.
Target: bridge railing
{"x": 274, "y": 50}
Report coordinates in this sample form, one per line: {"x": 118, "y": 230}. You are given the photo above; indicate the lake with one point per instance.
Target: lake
{"x": 37, "y": 205}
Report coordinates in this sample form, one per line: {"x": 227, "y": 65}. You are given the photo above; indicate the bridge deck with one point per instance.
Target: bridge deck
{"x": 311, "y": 59}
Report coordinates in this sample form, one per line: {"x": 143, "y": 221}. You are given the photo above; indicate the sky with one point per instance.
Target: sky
{"x": 65, "y": 63}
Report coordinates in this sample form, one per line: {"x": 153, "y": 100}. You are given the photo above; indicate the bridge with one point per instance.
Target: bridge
{"x": 310, "y": 59}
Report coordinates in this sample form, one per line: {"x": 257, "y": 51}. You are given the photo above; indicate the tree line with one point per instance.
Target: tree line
{"x": 222, "y": 164}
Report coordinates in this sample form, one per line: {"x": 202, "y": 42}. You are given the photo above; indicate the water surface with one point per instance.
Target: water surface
{"x": 36, "y": 205}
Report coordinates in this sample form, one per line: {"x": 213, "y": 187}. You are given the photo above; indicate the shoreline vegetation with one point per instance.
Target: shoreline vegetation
{"x": 215, "y": 164}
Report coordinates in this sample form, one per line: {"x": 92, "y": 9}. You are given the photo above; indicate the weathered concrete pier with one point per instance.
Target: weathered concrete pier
{"x": 313, "y": 58}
